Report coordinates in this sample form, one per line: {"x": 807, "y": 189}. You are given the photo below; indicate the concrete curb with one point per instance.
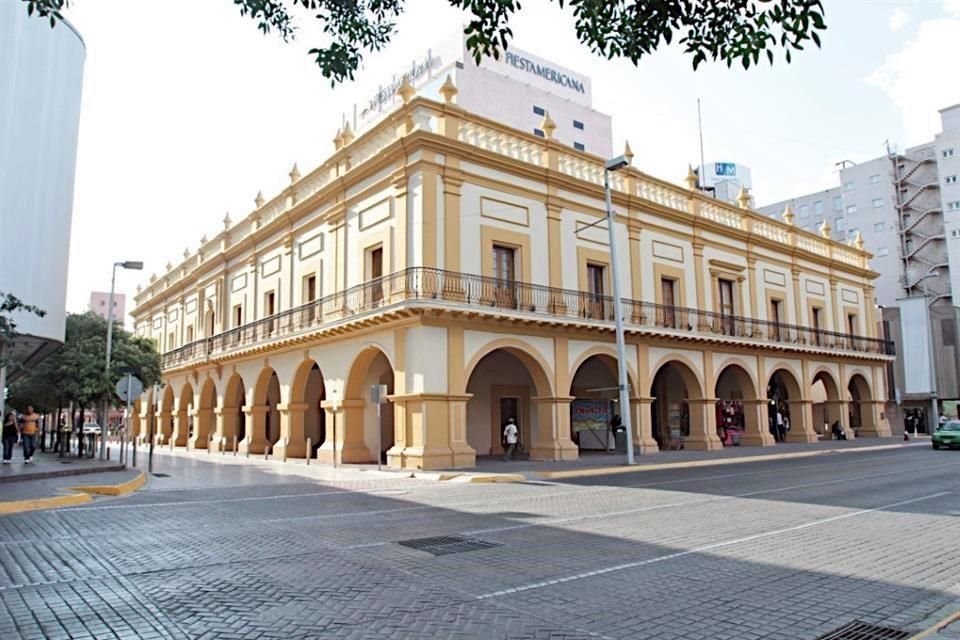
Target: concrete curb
{"x": 59, "y": 473}
{"x": 489, "y": 478}
{"x": 946, "y": 622}
{"x": 604, "y": 471}
{"x": 37, "y": 504}
{"x": 114, "y": 489}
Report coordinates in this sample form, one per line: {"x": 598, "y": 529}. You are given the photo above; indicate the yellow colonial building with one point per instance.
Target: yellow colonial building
{"x": 465, "y": 266}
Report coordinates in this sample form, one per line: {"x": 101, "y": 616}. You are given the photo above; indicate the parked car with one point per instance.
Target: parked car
{"x": 947, "y": 435}
{"x": 91, "y": 428}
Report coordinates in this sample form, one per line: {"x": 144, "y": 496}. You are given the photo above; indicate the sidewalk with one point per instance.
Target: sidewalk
{"x": 601, "y": 463}
{"x": 50, "y": 465}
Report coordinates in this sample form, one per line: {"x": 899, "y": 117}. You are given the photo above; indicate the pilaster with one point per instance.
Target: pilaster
{"x": 551, "y": 435}
{"x": 292, "y": 442}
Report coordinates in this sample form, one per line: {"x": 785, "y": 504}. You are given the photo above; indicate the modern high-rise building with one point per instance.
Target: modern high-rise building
{"x": 99, "y": 301}
{"x": 724, "y": 180}
{"x": 905, "y": 206}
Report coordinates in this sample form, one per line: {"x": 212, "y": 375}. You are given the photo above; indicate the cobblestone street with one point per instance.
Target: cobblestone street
{"x": 787, "y": 549}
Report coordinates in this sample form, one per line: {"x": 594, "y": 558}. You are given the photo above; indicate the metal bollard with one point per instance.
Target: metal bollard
{"x": 234, "y": 445}
{"x": 284, "y": 456}
{"x": 266, "y": 452}
{"x": 309, "y": 450}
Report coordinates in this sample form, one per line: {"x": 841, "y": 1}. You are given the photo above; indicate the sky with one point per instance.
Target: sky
{"x": 188, "y": 110}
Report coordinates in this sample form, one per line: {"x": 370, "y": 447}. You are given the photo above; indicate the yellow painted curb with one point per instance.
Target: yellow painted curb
{"x": 496, "y": 477}
{"x": 114, "y": 489}
{"x": 19, "y": 506}
{"x": 926, "y": 633}
{"x": 604, "y": 471}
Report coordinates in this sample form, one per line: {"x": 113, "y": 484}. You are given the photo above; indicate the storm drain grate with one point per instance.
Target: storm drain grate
{"x": 858, "y": 630}
{"x": 447, "y": 545}
{"x": 161, "y": 475}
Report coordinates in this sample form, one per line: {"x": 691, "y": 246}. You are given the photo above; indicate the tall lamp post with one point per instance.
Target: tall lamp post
{"x": 934, "y": 409}
{"x": 134, "y": 266}
{"x": 616, "y": 164}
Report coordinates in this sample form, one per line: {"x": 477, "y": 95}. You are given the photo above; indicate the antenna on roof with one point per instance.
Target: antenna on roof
{"x": 702, "y": 160}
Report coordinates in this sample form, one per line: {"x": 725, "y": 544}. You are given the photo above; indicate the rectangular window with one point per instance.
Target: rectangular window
{"x": 837, "y": 203}
{"x": 190, "y": 334}
{"x": 776, "y": 312}
{"x": 878, "y": 226}
{"x": 578, "y": 125}
{"x": 595, "y": 277}
{"x": 852, "y": 324}
{"x": 668, "y": 297}
{"x": 269, "y": 308}
{"x": 953, "y": 206}
{"x": 853, "y": 231}
{"x": 375, "y": 272}
{"x": 955, "y": 233}
{"x": 538, "y": 110}
{"x": 851, "y": 208}
{"x": 818, "y": 207}
{"x": 504, "y": 270}
{"x": 579, "y": 146}
{"x": 882, "y": 251}
{"x": 849, "y": 186}
{"x": 950, "y": 179}
{"x": 309, "y": 295}
{"x": 803, "y": 210}
{"x": 948, "y": 153}
{"x": 171, "y": 341}
{"x": 839, "y": 224}
{"x": 238, "y": 315}
{"x": 875, "y": 178}
{"x": 726, "y": 306}
{"x": 877, "y": 203}
{"x": 539, "y": 133}
{"x": 816, "y": 324}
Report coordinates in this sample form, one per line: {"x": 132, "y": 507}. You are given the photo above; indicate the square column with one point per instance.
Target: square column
{"x": 255, "y": 440}
{"x": 435, "y": 432}
{"x": 872, "y": 425}
{"x": 703, "y": 425}
{"x": 292, "y": 443}
{"x": 180, "y": 427}
{"x": 162, "y": 429}
{"x": 202, "y": 421}
{"x": 801, "y": 422}
{"x": 226, "y": 425}
{"x": 756, "y": 422}
{"x": 345, "y": 434}
{"x": 837, "y": 410}
{"x": 551, "y": 434}
{"x": 642, "y": 420}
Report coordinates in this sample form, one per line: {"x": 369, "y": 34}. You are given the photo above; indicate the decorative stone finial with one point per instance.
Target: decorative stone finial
{"x": 203, "y": 239}
{"x": 449, "y": 90}
{"x": 186, "y": 253}
{"x": 743, "y": 198}
{"x": 153, "y": 277}
{"x": 294, "y": 174}
{"x": 347, "y": 135}
{"x": 547, "y": 125}
{"x": 338, "y": 140}
{"x": 858, "y": 242}
{"x": 825, "y": 229}
{"x": 406, "y": 90}
{"x": 139, "y": 288}
{"x": 627, "y": 151}
{"x": 788, "y": 216}
{"x": 692, "y": 180}
{"x": 259, "y": 199}
{"x": 227, "y": 221}
{"x": 169, "y": 265}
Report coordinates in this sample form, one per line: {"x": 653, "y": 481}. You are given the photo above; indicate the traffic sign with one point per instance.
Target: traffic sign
{"x": 131, "y": 383}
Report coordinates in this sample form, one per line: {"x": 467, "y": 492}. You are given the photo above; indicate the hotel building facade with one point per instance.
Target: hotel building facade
{"x": 464, "y": 265}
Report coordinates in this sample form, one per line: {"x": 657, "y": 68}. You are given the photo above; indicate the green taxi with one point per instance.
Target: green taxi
{"x": 948, "y": 435}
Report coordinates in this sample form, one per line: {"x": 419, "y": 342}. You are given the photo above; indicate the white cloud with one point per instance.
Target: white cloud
{"x": 918, "y": 77}
{"x": 898, "y": 19}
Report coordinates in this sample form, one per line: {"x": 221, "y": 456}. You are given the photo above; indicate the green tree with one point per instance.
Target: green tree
{"x": 725, "y": 30}
{"x": 75, "y": 372}
{"x": 9, "y": 305}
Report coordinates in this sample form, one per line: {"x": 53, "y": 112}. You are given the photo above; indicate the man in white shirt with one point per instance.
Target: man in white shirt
{"x": 510, "y": 438}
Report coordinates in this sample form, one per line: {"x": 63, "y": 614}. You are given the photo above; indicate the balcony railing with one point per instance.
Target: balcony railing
{"x": 459, "y": 290}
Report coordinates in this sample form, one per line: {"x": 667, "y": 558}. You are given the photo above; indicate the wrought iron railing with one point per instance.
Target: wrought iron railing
{"x": 483, "y": 293}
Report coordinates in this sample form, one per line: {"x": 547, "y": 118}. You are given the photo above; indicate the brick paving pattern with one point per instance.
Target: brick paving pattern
{"x": 785, "y": 550}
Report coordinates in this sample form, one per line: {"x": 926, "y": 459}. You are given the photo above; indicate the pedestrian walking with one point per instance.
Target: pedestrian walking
{"x": 781, "y": 434}
{"x": 838, "y": 432}
{"x": 9, "y": 436}
{"x": 510, "y": 439}
{"x": 28, "y": 433}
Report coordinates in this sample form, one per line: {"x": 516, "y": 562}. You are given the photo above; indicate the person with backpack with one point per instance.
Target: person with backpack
{"x": 9, "y": 436}
{"x": 510, "y": 439}
{"x": 29, "y": 425}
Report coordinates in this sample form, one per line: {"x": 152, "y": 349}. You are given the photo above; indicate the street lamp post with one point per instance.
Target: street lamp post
{"x": 615, "y": 164}
{"x": 135, "y": 266}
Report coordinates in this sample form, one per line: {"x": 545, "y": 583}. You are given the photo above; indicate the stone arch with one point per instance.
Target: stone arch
{"x": 860, "y": 405}
{"x": 680, "y": 415}
{"x": 827, "y": 402}
{"x": 540, "y": 371}
{"x": 741, "y": 413}
{"x": 203, "y": 415}
{"x": 164, "y": 429}
{"x": 362, "y": 434}
{"x": 785, "y": 394}
{"x": 183, "y": 417}
{"x": 307, "y": 414}
{"x": 263, "y": 414}
{"x": 233, "y": 423}
{"x": 593, "y": 412}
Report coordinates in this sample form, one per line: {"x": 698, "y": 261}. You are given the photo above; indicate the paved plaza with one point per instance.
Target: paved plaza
{"x": 783, "y": 549}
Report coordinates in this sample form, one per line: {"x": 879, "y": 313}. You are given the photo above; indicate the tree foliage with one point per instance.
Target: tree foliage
{"x": 731, "y": 31}
{"x": 9, "y": 305}
{"x": 75, "y": 372}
